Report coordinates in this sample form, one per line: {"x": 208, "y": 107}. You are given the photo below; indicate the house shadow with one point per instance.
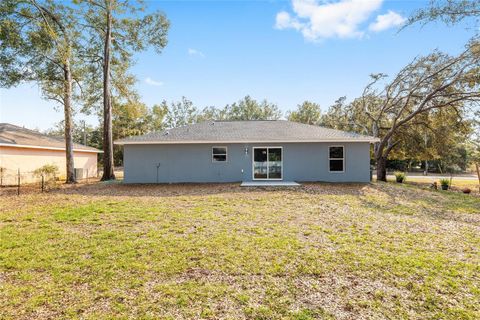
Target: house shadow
{"x": 118, "y": 189}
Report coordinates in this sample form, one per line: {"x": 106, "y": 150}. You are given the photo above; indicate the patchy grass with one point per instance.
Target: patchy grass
{"x": 218, "y": 251}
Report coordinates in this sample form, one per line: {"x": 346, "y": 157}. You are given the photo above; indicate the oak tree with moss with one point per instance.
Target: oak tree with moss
{"x": 389, "y": 108}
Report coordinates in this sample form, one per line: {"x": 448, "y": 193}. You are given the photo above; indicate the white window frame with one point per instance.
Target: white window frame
{"x": 253, "y": 163}
{"x": 226, "y": 154}
{"x": 343, "y": 159}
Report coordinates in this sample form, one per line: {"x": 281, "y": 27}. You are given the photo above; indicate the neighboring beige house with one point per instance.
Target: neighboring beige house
{"x": 26, "y": 150}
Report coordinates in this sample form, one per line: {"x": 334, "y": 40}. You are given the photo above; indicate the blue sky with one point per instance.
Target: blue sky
{"x": 282, "y": 51}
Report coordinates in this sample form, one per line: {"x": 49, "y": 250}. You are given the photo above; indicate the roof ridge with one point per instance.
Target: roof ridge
{"x": 13, "y": 135}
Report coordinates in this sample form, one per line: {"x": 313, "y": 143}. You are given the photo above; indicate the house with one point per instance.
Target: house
{"x": 231, "y": 151}
{"x": 26, "y": 150}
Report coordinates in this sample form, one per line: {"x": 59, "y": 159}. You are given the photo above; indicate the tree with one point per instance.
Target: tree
{"x": 183, "y": 112}
{"x": 448, "y": 11}
{"x": 116, "y": 30}
{"x": 474, "y": 153}
{"x": 157, "y": 117}
{"x": 212, "y": 113}
{"x": 335, "y": 117}
{"x": 130, "y": 119}
{"x": 179, "y": 113}
{"x": 80, "y": 133}
{"x": 433, "y": 82}
{"x": 245, "y": 109}
{"x": 250, "y": 109}
{"x": 350, "y": 116}
{"x": 307, "y": 112}
{"x": 429, "y": 83}
{"x": 437, "y": 136}
{"x": 38, "y": 42}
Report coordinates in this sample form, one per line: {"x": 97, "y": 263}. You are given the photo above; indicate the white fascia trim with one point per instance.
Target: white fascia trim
{"x": 243, "y": 142}
{"x": 45, "y": 148}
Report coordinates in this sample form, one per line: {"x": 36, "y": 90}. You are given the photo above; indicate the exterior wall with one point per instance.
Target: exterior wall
{"x": 29, "y": 159}
{"x": 193, "y": 163}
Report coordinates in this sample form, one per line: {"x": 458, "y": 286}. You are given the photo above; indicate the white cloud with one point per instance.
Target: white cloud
{"x": 195, "y": 53}
{"x": 284, "y": 21}
{"x": 387, "y": 21}
{"x": 322, "y": 20}
{"x": 152, "y": 82}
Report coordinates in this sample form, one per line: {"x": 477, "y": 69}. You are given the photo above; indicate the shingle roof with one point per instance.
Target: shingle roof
{"x": 15, "y": 136}
{"x": 246, "y": 132}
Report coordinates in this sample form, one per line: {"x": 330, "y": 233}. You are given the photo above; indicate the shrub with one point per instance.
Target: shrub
{"x": 445, "y": 183}
{"x": 400, "y": 176}
{"x": 466, "y": 190}
{"x": 48, "y": 171}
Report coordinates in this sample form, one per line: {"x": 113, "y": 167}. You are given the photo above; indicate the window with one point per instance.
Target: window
{"x": 336, "y": 158}
{"x": 219, "y": 154}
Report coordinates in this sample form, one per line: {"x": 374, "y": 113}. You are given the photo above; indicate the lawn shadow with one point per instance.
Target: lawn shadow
{"x": 386, "y": 198}
{"x": 419, "y": 200}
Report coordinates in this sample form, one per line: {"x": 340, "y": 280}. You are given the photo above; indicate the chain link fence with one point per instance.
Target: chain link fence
{"x": 20, "y": 182}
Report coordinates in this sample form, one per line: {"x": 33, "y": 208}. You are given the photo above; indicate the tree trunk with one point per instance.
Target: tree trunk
{"x": 440, "y": 167}
{"x": 382, "y": 168}
{"x": 67, "y": 105}
{"x": 381, "y": 159}
{"x": 108, "y": 173}
{"x": 477, "y": 166}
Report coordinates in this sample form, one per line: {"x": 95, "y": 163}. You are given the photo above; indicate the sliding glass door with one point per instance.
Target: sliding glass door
{"x": 275, "y": 163}
{"x": 260, "y": 163}
{"x": 267, "y": 163}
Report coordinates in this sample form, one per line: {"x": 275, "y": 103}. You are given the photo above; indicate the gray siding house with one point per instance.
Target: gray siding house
{"x": 234, "y": 151}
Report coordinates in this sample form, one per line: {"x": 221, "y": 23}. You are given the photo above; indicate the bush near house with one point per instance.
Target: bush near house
{"x": 48, "y": 171}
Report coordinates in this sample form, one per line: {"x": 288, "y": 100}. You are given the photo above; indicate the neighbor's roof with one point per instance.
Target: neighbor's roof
{"x": 15, "y": 136}
{"x": 246, "y": 132}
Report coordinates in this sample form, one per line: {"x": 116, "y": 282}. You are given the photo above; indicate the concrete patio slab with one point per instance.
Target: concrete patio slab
{"x": 269, "y": 184}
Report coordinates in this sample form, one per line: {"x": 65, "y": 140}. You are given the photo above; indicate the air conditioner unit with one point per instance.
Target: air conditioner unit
{"x": 78, "y": 173}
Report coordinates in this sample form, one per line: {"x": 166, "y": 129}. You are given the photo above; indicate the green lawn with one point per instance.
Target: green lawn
{"x": 218, "y": 251}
